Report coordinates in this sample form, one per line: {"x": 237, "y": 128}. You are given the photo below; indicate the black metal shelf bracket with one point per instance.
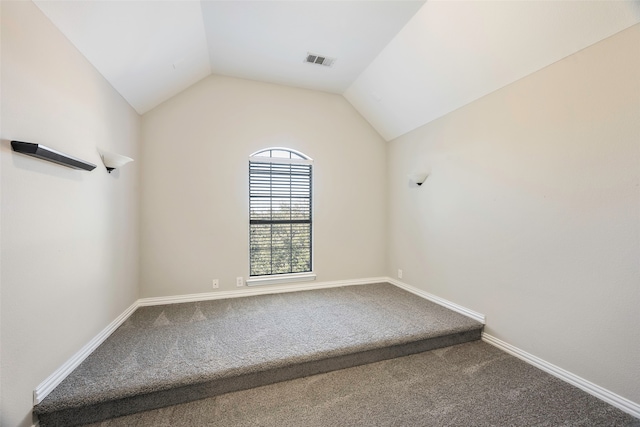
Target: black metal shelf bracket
{"x": 45, "y": 153}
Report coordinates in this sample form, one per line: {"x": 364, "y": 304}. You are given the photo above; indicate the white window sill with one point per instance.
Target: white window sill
{"x": 281, "y": 278}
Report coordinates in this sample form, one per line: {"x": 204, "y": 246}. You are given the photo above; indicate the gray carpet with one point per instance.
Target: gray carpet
{"x": 172, "y": 354}
{"x": 471, "y": 384}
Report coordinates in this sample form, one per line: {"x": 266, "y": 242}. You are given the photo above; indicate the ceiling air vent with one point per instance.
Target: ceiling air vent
{"x": 312, "y": 58}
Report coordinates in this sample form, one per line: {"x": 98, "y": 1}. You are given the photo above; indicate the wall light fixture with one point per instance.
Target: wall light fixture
{"x": 112, "y": 160}
{"x": 419, "y": 178}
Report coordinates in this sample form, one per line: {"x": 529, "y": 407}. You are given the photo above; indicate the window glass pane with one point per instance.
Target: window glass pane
{"x": 265, "y": 153}
{"x": 281, "y": 154}
{"x": 260, "y": 249}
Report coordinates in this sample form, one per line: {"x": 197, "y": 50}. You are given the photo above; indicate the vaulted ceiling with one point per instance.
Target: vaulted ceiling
{"x": 400, "y": 63}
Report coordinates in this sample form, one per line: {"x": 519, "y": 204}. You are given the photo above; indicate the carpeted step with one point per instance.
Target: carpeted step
{"x": 165, "y": 355}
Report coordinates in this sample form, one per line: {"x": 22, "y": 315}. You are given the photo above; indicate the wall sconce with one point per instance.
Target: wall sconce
{"x": 112, "y": 160}
{"x": 419, "y": 178}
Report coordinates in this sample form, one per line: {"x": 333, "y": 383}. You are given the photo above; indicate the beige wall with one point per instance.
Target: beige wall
{"x": 531, "y": 214}
{"x": 70, "y": 238}
{"x": 194, "y": 200}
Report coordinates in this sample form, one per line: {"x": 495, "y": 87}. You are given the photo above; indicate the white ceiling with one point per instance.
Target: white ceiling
{"x": 400, "y": 63}
{"x": 269, "y": 40}
{"x": 148, "y": 50}
{"x": 152, "y": 50}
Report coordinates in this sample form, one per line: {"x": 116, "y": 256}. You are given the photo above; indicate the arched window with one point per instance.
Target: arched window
{"x": 280, "y": 214}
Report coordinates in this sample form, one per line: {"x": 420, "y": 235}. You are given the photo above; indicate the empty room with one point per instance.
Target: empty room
{"x": 319, "y": 213}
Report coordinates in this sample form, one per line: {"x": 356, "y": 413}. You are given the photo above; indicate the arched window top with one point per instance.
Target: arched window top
{"x": 280, "y": 153}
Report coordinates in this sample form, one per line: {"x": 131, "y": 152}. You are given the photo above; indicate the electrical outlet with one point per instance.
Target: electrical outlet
{"x": 399, "y": 274}
{"x": 215, "y": 284}
{"x": 239, "y": 281}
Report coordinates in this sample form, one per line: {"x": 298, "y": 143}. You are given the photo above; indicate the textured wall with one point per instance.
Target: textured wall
{"x": 194, "y": 200}
{"x": 531, "y": 214}
{"x": 69, "y": 245}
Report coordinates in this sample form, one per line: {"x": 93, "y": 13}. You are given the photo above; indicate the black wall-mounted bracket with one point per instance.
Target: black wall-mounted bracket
{"x": 45, "y": 153}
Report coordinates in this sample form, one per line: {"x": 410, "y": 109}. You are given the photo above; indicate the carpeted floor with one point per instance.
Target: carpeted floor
{"x": 472, "y": 384}
{"x": 176, "y": 353}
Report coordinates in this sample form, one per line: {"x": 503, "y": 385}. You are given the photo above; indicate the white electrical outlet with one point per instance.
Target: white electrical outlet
{"x": 239, "y": 281}
{"x": 215, "y": 284}
{"x": 399, "y": 274}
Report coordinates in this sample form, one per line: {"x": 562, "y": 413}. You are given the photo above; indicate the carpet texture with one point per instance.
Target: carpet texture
{"x": 472, "y": 384}
{"x": 166, "y": 355}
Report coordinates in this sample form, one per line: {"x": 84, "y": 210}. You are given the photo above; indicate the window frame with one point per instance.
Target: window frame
{"x": 300, "y": 158}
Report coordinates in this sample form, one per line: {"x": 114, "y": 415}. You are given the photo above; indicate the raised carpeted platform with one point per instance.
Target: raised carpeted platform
{"x": 172, "y": 354}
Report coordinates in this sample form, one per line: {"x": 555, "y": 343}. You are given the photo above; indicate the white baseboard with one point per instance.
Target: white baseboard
{"x": 440, "y": 301}
{"x": 252, "y": 291}
{"x": 45, "y": 387}
{"x": 601, "y": 393}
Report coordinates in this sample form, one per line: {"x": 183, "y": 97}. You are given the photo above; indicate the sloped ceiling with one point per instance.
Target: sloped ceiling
{"x": 151, "y": 50}
{"x": 269, "y": 40}
{"x": 401, "y": 64}
{"x": 454, "y": 52}
{"x": 148, "y": 50}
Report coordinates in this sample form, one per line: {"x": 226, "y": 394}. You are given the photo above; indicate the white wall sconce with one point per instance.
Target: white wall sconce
{"x": 419, "y": 178}
{"x": 112, "y": 160}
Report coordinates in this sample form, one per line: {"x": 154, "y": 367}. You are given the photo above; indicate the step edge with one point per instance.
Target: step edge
{"x": 459, "y": 338}
{"x": 265, "y": 367}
